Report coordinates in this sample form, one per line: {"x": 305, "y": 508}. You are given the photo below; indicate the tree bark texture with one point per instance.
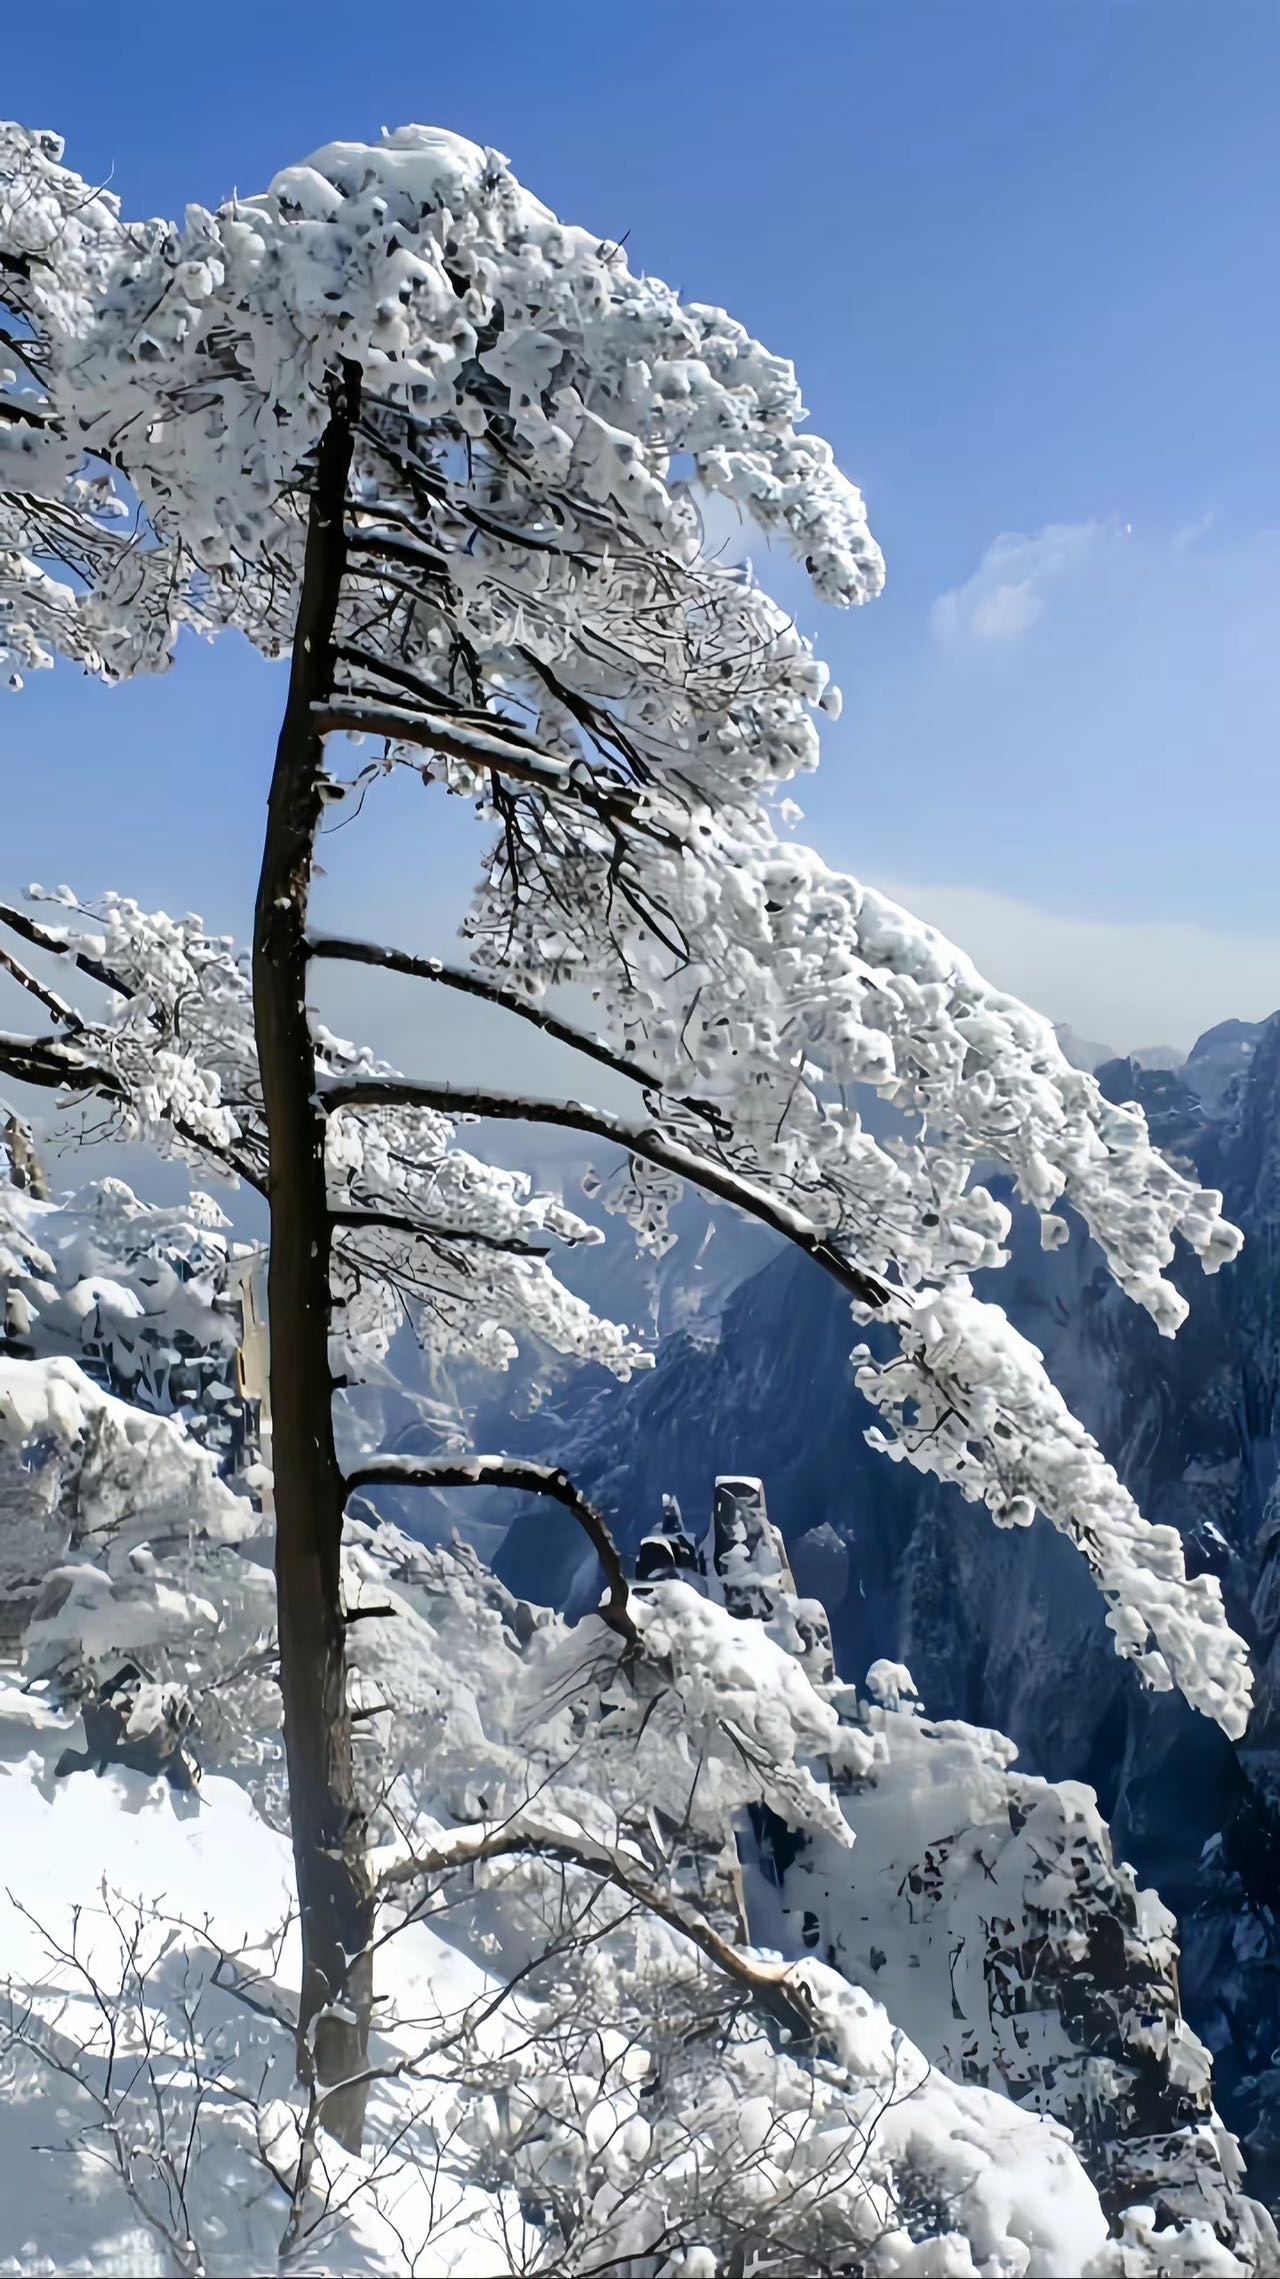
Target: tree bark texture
{"x": 334, "y": 1896}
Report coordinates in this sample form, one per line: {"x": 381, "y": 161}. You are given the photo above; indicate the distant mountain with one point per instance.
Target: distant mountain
{"x": 1082, "y": 1052}
{"x": 1221, "y": 1059}
{"x": 1158, "y": 1056}
{"x": 1005, "y": 1629}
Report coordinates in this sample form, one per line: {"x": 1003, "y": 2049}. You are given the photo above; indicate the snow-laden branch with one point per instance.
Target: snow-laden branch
{"x": 966, "y": 1382}
{"x": 58, "y": 942}
{"x": 472, "y": 983}
{"x": 969, "y": 1400}
{"x": 486, "y": 749}
{"x": 533, "y": 1479}
{"x": 53, "y": 1066}
{"x": 783, "y": 1990}
{"x": 49, "y": 1063}
{"x": 56, "y": 1006}
{"x": 648, "y": 1141}
{"x": 422, "y": 1230}
{"x": 157, "y": 973}
{"x": 531, "y": 584}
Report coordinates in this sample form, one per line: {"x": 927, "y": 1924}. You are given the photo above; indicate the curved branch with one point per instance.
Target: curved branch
{"x": 773, "y": 1985}
{"x": 472, "y": 984}
{"x": 644, "y": 1140}
{"x": 45, "y": 938}
{"x": 514, "y": 1472}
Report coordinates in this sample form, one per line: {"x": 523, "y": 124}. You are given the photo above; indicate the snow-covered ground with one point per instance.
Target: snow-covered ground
{"x": 117, "y": 1887}
{"x": 148, "y": 2087}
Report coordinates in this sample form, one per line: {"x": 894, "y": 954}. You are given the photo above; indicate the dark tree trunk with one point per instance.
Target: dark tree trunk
{"x": 334, "y": 1898}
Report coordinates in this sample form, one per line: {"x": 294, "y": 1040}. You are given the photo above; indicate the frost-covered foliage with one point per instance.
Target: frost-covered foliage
{"x": 128, "y": 1531}
{"x": 530, "y": 617}
{"x": 137, "y": 1294}
{"x": 596, "y": 2039}
{"x": 121, "y": 1544}
{"x": 454, "y": 1245}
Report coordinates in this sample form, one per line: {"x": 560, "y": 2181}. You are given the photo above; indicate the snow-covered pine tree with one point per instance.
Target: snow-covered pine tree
{"x": 131, "y": 1561}
{"x": 394, "y": 418}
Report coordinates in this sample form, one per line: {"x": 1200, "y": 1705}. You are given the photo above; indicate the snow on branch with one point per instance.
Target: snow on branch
{"x": 965, "y": 1377}
{"x": 472, "y": 983}
{"x": 512, "y": 1472}
{"x": 63, "y": 943}
{"x": 479, "y": 750}
{"x": 57, "y": 1007}
{"x": 424, "y": 1230}
{"x": 792, "y": 986}
{"x": 649, "y": 1141}
{"x": 47, "y": 1062}
{"x": 970, "y": 1401}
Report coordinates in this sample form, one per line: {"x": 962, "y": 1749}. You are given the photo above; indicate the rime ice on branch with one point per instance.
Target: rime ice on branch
{"x": 530, "y": 619}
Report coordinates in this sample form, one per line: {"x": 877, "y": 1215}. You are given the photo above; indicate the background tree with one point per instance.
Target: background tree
{"x": 395, "y": 418}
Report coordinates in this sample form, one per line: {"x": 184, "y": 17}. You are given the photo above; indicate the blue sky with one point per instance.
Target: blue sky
{"x": 1023, "y": 253}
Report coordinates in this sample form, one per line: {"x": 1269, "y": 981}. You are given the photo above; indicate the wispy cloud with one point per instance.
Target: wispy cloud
{"x": 1127, "y": 983}
{"x": 1091, "y": 724}
{"x": 1016, "y": 578}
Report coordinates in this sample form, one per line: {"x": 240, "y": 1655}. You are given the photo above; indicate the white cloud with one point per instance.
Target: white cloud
{"x": 1122, "y": 983}
{"x": 1009, "y": 590}
{"x": 1090, "y": 725}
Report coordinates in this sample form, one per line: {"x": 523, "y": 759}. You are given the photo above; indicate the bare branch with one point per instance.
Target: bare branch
{"x": 513, "y": 1472}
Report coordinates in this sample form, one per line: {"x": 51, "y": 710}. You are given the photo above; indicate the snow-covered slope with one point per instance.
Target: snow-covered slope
{"x": 146, "y": 2093}
{"x": 1004, "y": 1630}
{"x": 150, "y": 2123}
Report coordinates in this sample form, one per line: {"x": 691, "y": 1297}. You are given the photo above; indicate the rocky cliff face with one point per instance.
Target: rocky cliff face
{"x": 1005, "y": 1630}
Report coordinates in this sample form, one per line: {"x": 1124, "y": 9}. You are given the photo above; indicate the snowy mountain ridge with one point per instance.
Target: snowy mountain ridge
{"x": 906, "y": 1568}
